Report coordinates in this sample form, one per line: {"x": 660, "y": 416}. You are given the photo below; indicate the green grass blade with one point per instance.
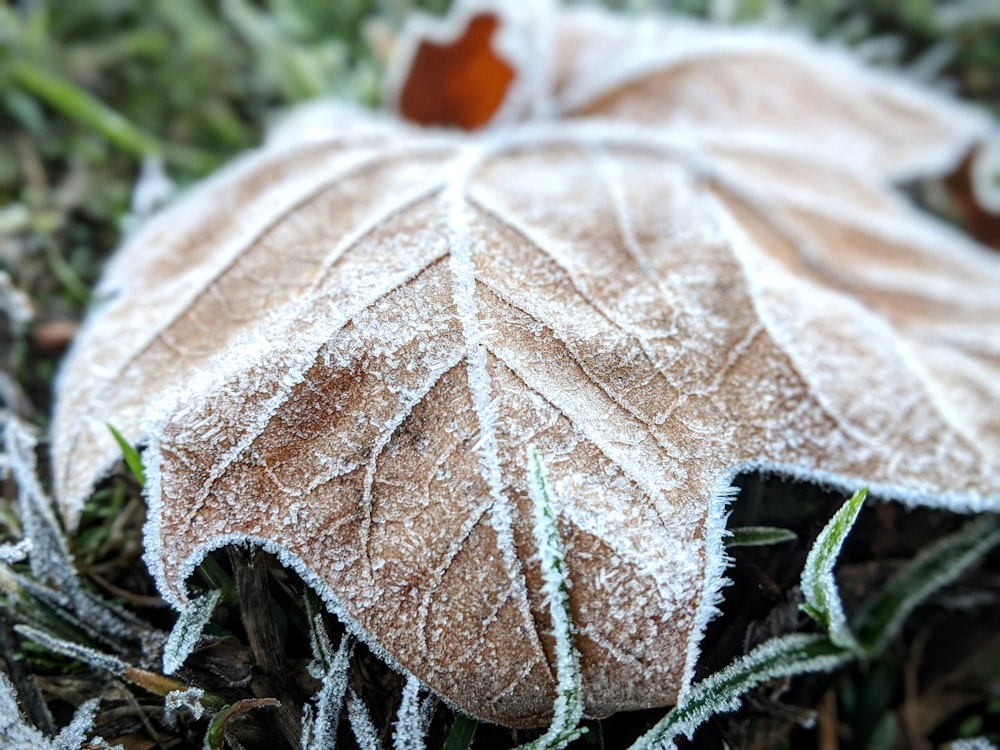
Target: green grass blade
{"x": 935, "y": 566}
{"x": 132, "y": 458}
{"x": 721, "y": 692}
{"x": 215, "y": 737}
{"x": 818, "y": 584}
{"x": 187, "y": 630}
{"x": 758, "y": 536}
{"x": 74, "y": 102}
{"x": 568, "y": 709}
{"x": 462, "y": 732}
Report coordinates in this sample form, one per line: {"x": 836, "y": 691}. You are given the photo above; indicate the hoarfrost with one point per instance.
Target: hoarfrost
{"x": 17, "y": 734}
{"x": 413, "y": 718}
{"x": 175, "y": 700}
{"x": 339, "y": 348}
{"x": 568, "y": 708}
{"x": 90, "y": 656}
{"x": 320, "y": 721}
{"x": 53, "y": 570}
{"x": 361, "y": 723}
{"x": 187, "y": 630}
{"x": 14, "y": 303}
{"x": 13, "y": 553}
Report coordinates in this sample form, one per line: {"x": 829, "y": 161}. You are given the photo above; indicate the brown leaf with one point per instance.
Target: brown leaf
{"x": 458, "y": 84}
{"x": 342, "y": 347}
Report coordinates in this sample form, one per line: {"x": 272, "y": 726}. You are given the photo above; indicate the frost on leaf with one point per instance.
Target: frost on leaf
{"x": 689, "y": 261}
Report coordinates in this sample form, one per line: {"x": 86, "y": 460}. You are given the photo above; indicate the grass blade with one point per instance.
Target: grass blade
{"x": 935, "y": 566}
{"x": 568, "y": 708}
{"x": 759, "y": 536}
{"x": 721, "y": 692}
{"x": 187, "y": 630}
{"x": 74, "y": 102}
{"x": 132, "y": 458}
{"x": 818, "y": 584}
{"x": 462, "y": 732}
{"x": 215, "y": 737}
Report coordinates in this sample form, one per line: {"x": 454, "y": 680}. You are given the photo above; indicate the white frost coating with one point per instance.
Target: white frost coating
{"x": 189, "y": 699}
{"x": 52, "y": 565}
{"x": 819, "y": 587}
{"x": 161, "y": 307}
{"x": 948, "y": 558}
{"x": 714, "y": 573}
{"x": 74, "y": 735}
{"x": 477, "y": 340}
{"x": 413, "y": 718}
{"x": 390, "y": 429}
{"x": 15, "y": 731}
{"x": 15, "y": 553}
{"x": 152, "y": 190}
{"x": 111, "y": 664}
{"x": 721, "y": 692}
{"x": 319, "y": 722}
{"x": 654, "y": 47}
{"x": 361, "y": 723}
{"x": 14, "y": 303}
{"x": 324, "y": 121}
{"x": 548, "y": 287}
{"x": 180, "y": 601}
{"x": 568, "y": 707}
{"x": 51, "y": 559}
{"x": 973, "y": 743}
{"x": 187, "y": 631}
{"x": 242, "y": 362}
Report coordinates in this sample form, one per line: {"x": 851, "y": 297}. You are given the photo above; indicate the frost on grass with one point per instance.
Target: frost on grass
{"x": 654, "y": 283}
{"x": 76, "y": 651}
{"x": 17, "y": 733}
{"x": 320, "y": 720}
{"x": 819, "y": 588}
{"x": 364, "y": 730}
{"x": 413, "y": 718}
{"x": 175, "y": 700}
{"x": 721, "y": 692}
{"x": 934, "y": 567}
{"x": 568, "y": 709}
{"x": 54, "y": 579}
{"x": 187, "y": 630}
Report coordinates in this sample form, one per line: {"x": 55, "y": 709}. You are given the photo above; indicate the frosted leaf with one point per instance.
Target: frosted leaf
{"x": 686, "y": 260}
